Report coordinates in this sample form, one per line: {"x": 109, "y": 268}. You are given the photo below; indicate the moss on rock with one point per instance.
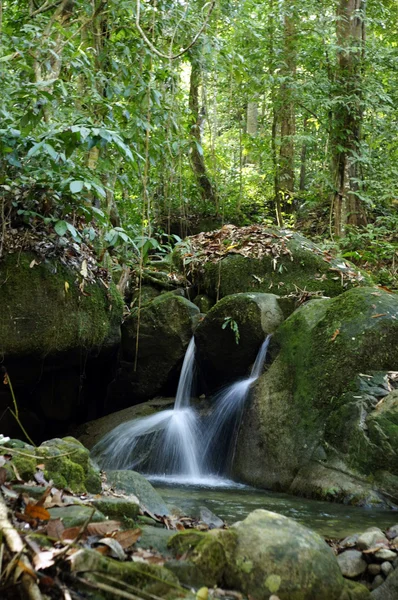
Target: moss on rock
{"x": 230, "y": 335}
{"x": 43, "y": 312}
{"x": 315, "y": 399}
{"x": 166, "y": 325}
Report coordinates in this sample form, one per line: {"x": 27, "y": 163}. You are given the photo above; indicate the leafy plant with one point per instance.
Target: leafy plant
{"x": 230, "y": 322}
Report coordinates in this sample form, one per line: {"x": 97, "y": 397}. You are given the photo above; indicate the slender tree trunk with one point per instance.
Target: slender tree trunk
{"x": 347, "y": 117}
{"x": 303, "y": 157}
{"x": 197, "y": 159}
{"x": 287, "y": 109}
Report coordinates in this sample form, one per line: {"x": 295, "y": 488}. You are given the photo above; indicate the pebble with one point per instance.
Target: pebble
{"x": 351, "y": 563}
{"x": 385, "y": 554}
{"x": 378, "y": 580}
{"x": 374, "y": 569}
{"x": 371, "y": 538}
{"x": 349, "y": 541}
{"x": 386, "y": 568}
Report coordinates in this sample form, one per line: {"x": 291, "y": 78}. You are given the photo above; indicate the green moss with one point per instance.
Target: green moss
{"x": 185, "y": 541}
{"x": 43, "y": 311}
{"x": 26, "y": 467}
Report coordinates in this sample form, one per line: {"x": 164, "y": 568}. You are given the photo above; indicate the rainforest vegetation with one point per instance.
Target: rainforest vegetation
{"x": 130, "y": 124}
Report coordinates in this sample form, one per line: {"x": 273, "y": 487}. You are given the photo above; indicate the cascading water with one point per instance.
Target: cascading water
{"x": 224, "y": 423}
{"x": 176, "y": 443}
{"x": 163, "y": 443}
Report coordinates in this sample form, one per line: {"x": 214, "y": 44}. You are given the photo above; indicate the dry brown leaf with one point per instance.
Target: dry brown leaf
{"x": 43, "y": 560}
{"x": 334, "y": 336}
{"x": 26, "y": 569}
{"x": 43, "y": 497}
{"x": 127, "y": 538}
{"x": 35, "y": 511}
{"x": 103, "y": 528}
{"x": 70, "y": 533}
{"x": 379, "y": 315}
{"x": 3, "y": 475}
{"x": 55, "y": 529}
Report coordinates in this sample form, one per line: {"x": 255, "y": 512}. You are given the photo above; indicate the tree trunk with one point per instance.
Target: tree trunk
{"x": 303, "y": 157}
{"x": 347, "y": 116}
{"x": 287, "y": 110}
{"x": 197, "y": 159}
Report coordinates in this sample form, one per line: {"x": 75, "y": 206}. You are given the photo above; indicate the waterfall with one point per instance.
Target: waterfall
{"x": 223, "y": 425}
{"x": 166, "y": 443}
{"x": 178, "y": 443}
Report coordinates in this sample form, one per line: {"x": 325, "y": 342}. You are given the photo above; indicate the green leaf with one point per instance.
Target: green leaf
{"x": 35, "y": 149}
{"x": 61, "y": 227}
{"x": 76, "y": 186}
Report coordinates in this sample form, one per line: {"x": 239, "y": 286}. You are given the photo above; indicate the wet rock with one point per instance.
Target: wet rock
{"x": 388, "y": 590}
{"x": 374, "y": 569}
{"x": 351, "y": 563}
{"x": 230, "y": 335}
{"x": 385, "y": 554}
{"x": 370, "y": 538}
{"x": 349, "y": 541}
{"x": 325, "y": 346}
{"x": 75, "y": 515}
{"x": 210, "y": 518}
{"x": 392, "y": 532}
{"x": 386, "y": 568}
{"x": 377, "y": 581}
{"x": 166, "y": 326}
{"x": 131, "y": 482}
{"x": 117, "y": 508}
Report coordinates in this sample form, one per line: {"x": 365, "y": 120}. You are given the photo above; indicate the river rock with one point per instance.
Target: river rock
{"x": 386, "y": 568}
{"x": 377, "y": 581}
{"x": 310, "y": 398}
{"x": 370, "y": 538}
{"x": 267, "y": 554}
{"x": 75, "y": 515}
{"x": 53, "y": 321}
{"x": 165, "y": 328}
{"x": 230, "y": 335}
{"x": 131, "y": 482}
{"x": 385, "y": 554}
{"x": 351, "y": 563}
{"x": 259, "y": 259}
{"x": 388, "y": 589}
{"x": 374, "y": 569}
{"x": 117, "y": 508}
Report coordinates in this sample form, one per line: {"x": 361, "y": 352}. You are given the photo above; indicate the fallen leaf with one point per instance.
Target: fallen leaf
{"x": 66, "y": 287}
{"x": 43, "y": 560}
{"x": 334, "y": 336}
{"x": 83, "y": 270}
{"x": 103, "y": 528}
{"x": 70, "y": 533}
{"x": 37, "y": 512}
{"x": 55, "y": 529}
{"x": 127, "y": 538}
{"x": 33, "y": 263}
{"x": 378, "y": 315}
{"x": 43, "y": 497}
{"x": 3, "y": 475}
{"x": 115, "y": 549}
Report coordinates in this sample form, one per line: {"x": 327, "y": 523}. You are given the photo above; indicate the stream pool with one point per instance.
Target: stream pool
{"x": 233, "y": 502}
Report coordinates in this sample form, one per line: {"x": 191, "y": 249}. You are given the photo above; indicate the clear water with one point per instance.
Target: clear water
{"x": 233, "y": 502}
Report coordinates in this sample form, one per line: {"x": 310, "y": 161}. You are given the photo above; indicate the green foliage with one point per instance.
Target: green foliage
{"x": 230, "y": 322}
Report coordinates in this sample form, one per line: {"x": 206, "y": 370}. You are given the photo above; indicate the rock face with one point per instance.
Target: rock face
{"x": 165, "y": 328}
{"x": 258, "y": 259}
{"x": 313, "y": 427}
{"x": 263, "y": 555}
{"x": 230, "y": 335}
{"x": 52, "y": 322}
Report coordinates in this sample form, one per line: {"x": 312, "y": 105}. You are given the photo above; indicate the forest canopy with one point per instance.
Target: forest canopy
{"x": 148, "y": 120}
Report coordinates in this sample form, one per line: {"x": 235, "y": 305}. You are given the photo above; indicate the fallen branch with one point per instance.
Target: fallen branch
{"x": 29, "y": 586}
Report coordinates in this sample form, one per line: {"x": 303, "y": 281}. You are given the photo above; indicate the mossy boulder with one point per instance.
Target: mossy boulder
{"x": 44, "y": 314}
{"x": 230, "y": 335}
{"x": 259, "y": 259}
{"x": 53, "y": 322}
{"x": 66, "y": 463}
{"x": 310, "y": 415}
{"x": 165, "y": 328}
{"x": 265, "y": 554}
{"x": 131, "y": 482}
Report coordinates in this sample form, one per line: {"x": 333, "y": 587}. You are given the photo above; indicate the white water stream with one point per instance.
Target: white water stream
{"x": 178, "y": 445}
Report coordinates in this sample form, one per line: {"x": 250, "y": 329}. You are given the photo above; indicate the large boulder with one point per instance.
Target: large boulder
{"x": 265, "y": 554}
{"x": 314, "y": 426}
{"x": 260, "y": 259}
{"x": 54, "y": 319}
{"x": 229, "y": 336}
{"x": 165, "y": 326}
{"x": 131, "y": 482}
